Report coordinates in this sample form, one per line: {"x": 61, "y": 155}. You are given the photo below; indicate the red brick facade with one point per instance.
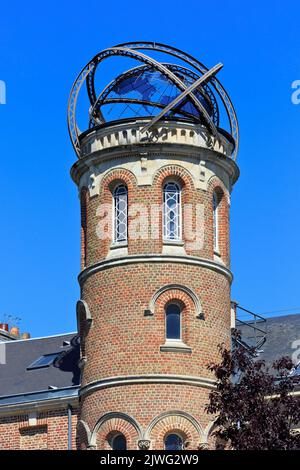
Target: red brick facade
{"x": 132, "y": 382}
{"x": 49, "y": 431}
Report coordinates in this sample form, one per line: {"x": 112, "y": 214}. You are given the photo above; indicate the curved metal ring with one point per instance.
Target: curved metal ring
{"x": 130, "y": 49}
{"x": 165, "y": 71}
{"x": 204, "y": 90}
{"x": 147, "y": 45}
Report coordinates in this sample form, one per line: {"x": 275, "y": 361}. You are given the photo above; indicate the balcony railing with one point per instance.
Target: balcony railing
{"x": 253, "y": 328}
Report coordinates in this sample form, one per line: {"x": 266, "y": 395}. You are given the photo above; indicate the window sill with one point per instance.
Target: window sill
{"x": 173, "y": 247}
{"x": 115, "y": 246}
{"x": 118, "y": 249}
{"x": 217, "y": 257}
{"x": 175, "y": 346}
{"x": 173, "y": 242}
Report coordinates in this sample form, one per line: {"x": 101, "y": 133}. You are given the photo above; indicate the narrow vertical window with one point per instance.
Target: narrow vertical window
{"x": 83, "y": 204}
{"x": 172, "y": 212}
{"x": 173, "y": 322}
{"x": 216, "y": 221}
{"x": 119, "y": 442}
{"x": 120, "y": 214}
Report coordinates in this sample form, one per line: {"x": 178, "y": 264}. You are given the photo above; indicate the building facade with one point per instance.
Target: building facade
{"x": 39, "y": 382}
{"x": 154, "y": 175}
{"x": 155, "y": 279}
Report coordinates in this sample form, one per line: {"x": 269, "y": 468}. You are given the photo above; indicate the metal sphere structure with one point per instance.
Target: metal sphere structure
{"x": 153, "y": 91}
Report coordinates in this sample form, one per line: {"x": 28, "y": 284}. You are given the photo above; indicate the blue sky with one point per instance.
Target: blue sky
{"x": 44, "y": 46}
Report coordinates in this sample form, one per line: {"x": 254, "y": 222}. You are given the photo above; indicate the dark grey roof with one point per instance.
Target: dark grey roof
{"x": 282, "y": 334}
{"x": 16, "y": 379}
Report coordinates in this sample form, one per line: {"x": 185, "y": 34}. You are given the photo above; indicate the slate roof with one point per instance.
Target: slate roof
{"x": 64, "y": 372}
{"x": 281, "y": 336}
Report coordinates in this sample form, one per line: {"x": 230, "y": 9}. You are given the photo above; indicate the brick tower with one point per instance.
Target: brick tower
{"x": 155, "y": 171}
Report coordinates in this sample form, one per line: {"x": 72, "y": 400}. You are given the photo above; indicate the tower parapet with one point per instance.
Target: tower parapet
{"x": 155, "y": 171}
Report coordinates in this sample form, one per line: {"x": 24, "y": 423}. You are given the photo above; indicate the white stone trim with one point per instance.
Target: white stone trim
{"x": 112, "y": 415}
{"x": 177, "y": 132}
{"x": 154, "y": 258}
{"x": 185, "y": 289}
{"x": 176, "y": 413}
{"x": 117, "y": 249}
{"x": 85, "y": 426}
{"x": 175, "y": 346}
{"x": 32, "y": 418}
{"x": 147, "y": 378}
{"x": 202, "y": 165}
{"x": 82, "y": 309}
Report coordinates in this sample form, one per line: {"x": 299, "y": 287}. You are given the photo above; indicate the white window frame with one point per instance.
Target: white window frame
{"x": 166, "y": 219}
{"x": 117, "y": 240}
{"x": 216, "y": 202}
{"x": 180, "y": 323}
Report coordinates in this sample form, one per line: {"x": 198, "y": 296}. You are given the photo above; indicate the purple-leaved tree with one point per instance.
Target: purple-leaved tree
{"x": 255, "y": 406}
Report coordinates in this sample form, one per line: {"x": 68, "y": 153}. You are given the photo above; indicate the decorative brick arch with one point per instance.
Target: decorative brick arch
{"x": 187, "y": 307}
{"x": 175, "y": 172}
{"x": 176, "y": 292}
{"x": 215, "y": 184}
{"x": 114, "y": 423}
{"x": 84, "y": 322}
{"x": 83, "y": 435}
{"x": 174, "y": 422}
{"x": 118, "y": 175}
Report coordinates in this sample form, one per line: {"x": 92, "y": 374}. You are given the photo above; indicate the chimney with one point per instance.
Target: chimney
{"x": 14, "y": 331}
{"x": 4, "y": 327}
{"x": 25, "y": 335}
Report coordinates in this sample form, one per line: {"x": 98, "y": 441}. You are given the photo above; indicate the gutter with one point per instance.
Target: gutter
{"x": 58, "y": 398}
{"x": 69, "y": 427}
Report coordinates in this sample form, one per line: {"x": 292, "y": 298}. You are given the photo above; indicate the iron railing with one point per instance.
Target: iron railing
{"x": 252, "y": 327}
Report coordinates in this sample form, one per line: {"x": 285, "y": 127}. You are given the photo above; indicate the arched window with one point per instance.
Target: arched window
{"x": 172, "y": 211}
{"x": 173, "y": 442}
{"x": 119, "y": 442}
{"x": 216, "y": 201}
{"x": 120, "y": 214}
{"x": 173, "y": 322}
{"x": 83, "y": 205}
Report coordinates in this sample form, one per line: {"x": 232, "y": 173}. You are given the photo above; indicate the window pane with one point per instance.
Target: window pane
{"x": 119, "y": 442}
{"x": 215, "y": 220}
{"x": 173, "y": 322}
{"x": 44, "y": 361}
{"x": 173, "y": 442}
{"x": 120, "y": 213}
{"x": 172, "y": 223}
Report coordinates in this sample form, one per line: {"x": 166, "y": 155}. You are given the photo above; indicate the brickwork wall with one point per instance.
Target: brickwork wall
{"x": 50, "y": 431}
{"x": 97, "y": 249}
{"x": 124, "y": 342}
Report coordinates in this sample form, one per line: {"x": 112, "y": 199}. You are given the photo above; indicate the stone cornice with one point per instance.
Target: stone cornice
{"x": 146, "y": 379}
{"x": 153, "y": 150}
{"x": 153, "y": 258}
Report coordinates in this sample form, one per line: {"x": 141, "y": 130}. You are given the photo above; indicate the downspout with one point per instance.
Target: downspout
{"x": 69, "y": 427}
